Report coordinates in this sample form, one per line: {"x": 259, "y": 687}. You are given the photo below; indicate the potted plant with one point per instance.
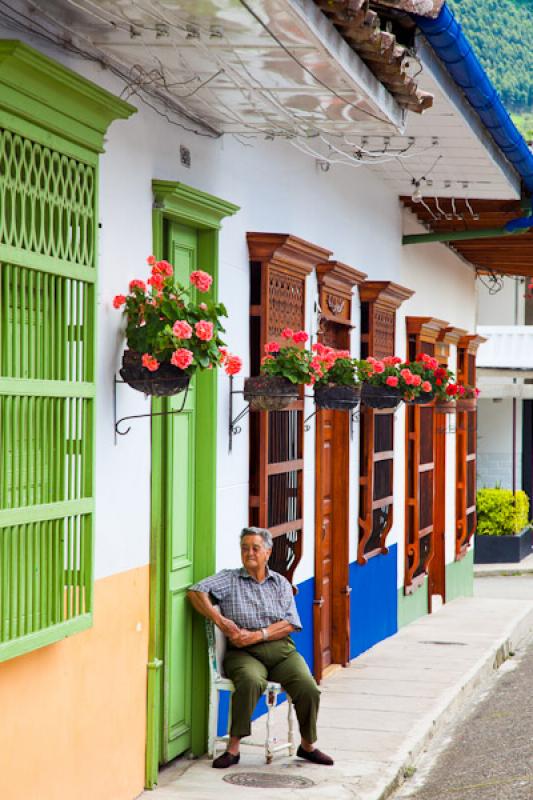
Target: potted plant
{"x": 383, "y": 385}
{"x": 503, "y": 532}
{"x": 446, "y": 402}
{"x": 169, "y": 334}
{"x": 335, "y": 378}
{"x": 284, "y": 368}
{"x": 467, "y": 398}
{"x": 428, "y": 380}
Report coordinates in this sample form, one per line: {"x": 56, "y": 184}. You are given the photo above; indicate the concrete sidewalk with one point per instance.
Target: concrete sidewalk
{"x": 377, "y": 714}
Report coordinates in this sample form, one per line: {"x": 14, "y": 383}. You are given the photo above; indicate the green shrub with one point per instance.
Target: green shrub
{"x": 500, "y": 513}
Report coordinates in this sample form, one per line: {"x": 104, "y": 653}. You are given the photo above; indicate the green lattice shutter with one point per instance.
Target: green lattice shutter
{"x": 48, "y": 232}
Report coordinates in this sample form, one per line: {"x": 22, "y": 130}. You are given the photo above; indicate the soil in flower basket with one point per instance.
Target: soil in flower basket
{"x": 340, "y": 398}
{"x": 269, "y": 393}
{"x": 423, "y": 399}
{"x": 380, "y": 396}
{"x": 167, "y": 381}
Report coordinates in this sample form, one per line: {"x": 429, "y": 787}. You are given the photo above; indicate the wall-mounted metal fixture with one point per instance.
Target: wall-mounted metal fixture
{"x": 234, "y": 427}
{"x": 118, "y": 422}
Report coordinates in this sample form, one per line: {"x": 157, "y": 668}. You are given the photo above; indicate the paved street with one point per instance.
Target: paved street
{"x": 488, "y": 754}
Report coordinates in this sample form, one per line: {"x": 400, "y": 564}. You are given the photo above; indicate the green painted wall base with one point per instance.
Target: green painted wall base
{"x": 412, "y": 606}
{"x": 460, "y": 577}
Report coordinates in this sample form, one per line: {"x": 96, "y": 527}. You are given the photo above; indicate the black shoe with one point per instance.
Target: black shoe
{"x": 315, "y": 756}
{"x": 226, "y": 760}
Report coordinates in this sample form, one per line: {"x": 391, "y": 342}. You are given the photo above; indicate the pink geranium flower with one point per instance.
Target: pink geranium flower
{"x": 149, "y": 362}
{"x": 163, "y": 268}
{"x": 300, "y": 337}
{"x": 426, "y": 386}
{"x": 156, "y": 281}
{"x": 392, "y": 380}
{"x": 379, "y": 367}
{"x": 137, "y": 285}
{"x": 233, "y": 365}
{"x": 202, "y": 280}
{"x": 150, "y": 261}
{"x": 119, "y": 300}
{"x": 287, "y": 333}
{"x": 182, "y": 329}
{"x": 204, "y": 330}
{"x": 181, "y": 358}
{"x": 272, "y": 347}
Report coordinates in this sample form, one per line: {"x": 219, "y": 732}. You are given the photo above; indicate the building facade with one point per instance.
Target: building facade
{"x": 113, "y": 505}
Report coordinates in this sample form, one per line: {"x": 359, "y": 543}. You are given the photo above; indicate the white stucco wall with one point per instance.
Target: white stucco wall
{"x": 349, "y": 211}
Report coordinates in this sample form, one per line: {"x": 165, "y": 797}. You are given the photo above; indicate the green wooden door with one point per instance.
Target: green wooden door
{"x": 179, "y": 536}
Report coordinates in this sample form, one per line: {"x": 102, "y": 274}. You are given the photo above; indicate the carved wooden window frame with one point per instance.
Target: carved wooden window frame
{"x": 466, "y": 450}
{"x": 279, "y": 266}
{"x": 379, "y": 303}
{"x": 420, "y": 434}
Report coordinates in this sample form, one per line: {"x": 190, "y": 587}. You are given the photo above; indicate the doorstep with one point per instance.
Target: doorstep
{"x": 377, "y": 714}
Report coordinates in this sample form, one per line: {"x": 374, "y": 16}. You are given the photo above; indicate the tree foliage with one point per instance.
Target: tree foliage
{"x": 501, "y": 34}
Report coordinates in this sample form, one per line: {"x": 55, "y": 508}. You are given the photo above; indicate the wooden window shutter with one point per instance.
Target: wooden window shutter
{"x": 466, "y": 449}
{"x": 51, "y": 133}
{"x": 379, "y": 302}
{"x": 279, "y": 266}
{"x": 422, "y": 336}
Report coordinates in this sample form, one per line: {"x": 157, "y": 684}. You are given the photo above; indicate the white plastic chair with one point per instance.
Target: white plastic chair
{"x": 216, "y": 642}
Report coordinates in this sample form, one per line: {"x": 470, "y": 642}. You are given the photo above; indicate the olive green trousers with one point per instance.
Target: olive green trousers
{"x": 251, "y": 667}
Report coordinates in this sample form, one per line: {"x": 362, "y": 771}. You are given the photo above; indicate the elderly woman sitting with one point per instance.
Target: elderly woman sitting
{"x": 257, "y": 614}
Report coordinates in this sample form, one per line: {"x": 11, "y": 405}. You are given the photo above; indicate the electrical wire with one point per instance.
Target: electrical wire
{"x": 33, "y": 26}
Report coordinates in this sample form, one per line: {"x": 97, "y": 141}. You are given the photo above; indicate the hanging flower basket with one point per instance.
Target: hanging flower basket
{"x": 170, "y": 334}
{"x": 380, "y": 396}
{"x": 423, "y": 399}
{"x": 446, "y": 406}
{"x": 466, "y": 403}
{"x": 269, "y": 392}
{"x": 339, "y": 398}
{"x": 167, "y": 381}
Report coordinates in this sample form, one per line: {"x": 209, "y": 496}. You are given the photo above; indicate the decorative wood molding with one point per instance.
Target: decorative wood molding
{"x": 39, "y": 89}
{"x": 339, "y": 277}
{"x": 471, "y": 342}
{"x": 191, "y": 205}
{"x": 427, "y": 329}
{"x": 336, "y": 282}
{"x": 385, "y": 293}
{"x": 286, "y": 251}
{"x": 452, "y": 335}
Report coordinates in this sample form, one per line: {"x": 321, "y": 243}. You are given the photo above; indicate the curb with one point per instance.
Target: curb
{"x": 446, "y": 712}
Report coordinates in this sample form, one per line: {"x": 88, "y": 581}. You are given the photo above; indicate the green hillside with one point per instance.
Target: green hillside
{"x": 501, "y": 33}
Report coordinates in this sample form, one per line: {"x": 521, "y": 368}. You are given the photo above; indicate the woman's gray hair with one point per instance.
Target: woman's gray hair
{"x": 262, "y": 532}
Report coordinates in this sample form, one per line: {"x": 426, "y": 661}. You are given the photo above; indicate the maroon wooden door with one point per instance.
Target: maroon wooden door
{"x": 332, "y": 589}
{"x": 324, "y": 543}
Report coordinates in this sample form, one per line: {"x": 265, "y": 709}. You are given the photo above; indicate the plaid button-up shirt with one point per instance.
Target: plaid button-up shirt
{"x": 250, "y": 604}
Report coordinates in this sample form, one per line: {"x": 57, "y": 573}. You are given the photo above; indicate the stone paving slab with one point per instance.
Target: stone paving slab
{"x": 378, "y": 714}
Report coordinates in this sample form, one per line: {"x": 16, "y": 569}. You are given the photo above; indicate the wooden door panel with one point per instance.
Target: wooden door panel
{"x": 179, "y": 538}
{"x": 179, "y": 691}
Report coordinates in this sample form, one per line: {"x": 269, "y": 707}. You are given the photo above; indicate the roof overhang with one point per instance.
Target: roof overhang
{"x": 475, "y": 230}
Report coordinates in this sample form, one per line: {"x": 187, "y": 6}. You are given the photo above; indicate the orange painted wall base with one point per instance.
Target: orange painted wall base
{"x": 73, "y": 715}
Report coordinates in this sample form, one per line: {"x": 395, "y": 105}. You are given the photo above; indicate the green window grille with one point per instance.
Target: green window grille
{"x": 48, "y": 226}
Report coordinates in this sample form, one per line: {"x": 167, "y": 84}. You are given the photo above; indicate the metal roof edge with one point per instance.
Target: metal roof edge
{"x": 446, "y": 37}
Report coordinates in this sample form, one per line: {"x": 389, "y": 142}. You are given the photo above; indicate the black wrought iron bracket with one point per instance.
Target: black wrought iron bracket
{"x": 355, "y": 416}
{"x": 234, "y": 428}
{"x": 307, "y": 424}
{"x": 118, "y": 422}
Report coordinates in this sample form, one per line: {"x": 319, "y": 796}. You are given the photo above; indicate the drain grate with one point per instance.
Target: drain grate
{"x": 267, "y": 780}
